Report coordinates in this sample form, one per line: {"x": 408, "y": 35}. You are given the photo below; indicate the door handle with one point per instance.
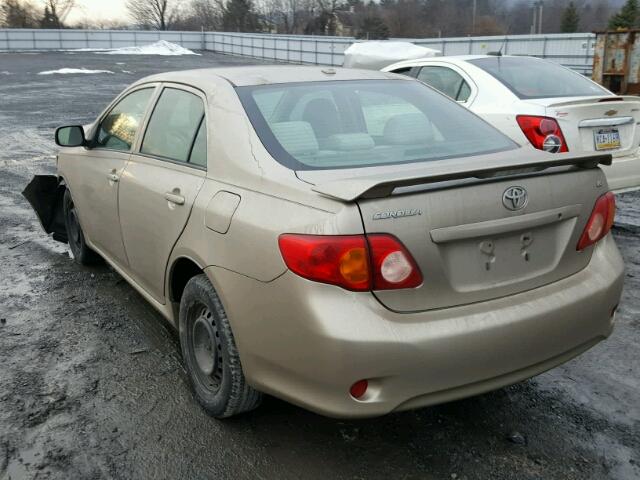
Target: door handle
{"x": 174, "y": 198}
{"x": 113, "y": 177}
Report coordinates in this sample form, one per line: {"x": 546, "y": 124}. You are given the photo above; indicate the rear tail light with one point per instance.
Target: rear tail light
{"x": 354, "y": 262}
{"x": 543, "y": 132}
{"x": 600, "y": 221}
{"x": 358, "y": 389}
{"x": 392, "y": 265}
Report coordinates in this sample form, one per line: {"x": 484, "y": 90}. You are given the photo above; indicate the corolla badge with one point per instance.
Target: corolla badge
{"x": 515, "y": 198}
{"x": 407, "y": 212}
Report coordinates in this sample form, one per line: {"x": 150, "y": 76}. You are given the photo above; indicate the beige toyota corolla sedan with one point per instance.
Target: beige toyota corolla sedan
{"x": 353, "y": 242}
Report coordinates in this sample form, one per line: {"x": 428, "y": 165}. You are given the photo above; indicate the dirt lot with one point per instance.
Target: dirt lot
{"x": 92, "y": 386}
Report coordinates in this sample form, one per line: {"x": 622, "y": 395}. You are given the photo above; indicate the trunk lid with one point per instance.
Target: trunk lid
{"x": 597, "y": 124}
{"x": 468, "y": 242}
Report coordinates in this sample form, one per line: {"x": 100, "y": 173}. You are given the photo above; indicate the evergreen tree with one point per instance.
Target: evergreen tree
{"x": 48, "y": 19}
{"x": 373, "y": 28}
{"x": 627, "y": 17}
{"x": 239, "y": 16}
{"x": 570, "y": 21}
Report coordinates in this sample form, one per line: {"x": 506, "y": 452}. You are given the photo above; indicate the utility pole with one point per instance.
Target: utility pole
{"x": 473, "y": 20}
{"x": 535, "y": 19}
{"x": 536, "y": 25}
{"x": 540, "y": 4}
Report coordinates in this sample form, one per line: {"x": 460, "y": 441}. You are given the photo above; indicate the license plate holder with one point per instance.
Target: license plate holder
{"x": 606, "y": 138}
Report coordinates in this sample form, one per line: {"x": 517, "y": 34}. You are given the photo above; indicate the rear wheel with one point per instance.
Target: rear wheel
{"x": 210, "y": 354}
{"x": 79, "y": 248}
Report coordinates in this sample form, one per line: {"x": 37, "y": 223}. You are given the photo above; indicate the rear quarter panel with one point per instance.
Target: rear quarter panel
{"x": 250, "y": 245}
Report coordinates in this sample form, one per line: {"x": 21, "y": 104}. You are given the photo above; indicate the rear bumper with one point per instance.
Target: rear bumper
{"x": 624, "y": 173}
{"x": 307, "y": 342}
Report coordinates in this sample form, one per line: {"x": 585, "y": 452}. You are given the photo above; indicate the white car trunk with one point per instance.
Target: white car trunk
{"x": 603, "y": 124}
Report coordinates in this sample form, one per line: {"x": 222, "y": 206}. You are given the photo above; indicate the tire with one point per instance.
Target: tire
{"x": 210, "y": 354}
{"x": 82, "y": 254}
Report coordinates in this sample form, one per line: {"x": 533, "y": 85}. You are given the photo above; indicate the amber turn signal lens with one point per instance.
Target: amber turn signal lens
{"x": 354, "y": 266}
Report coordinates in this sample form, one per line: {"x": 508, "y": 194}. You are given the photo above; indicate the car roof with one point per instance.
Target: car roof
{"x": 455, "y": 59}
{"x": 266, "y": 75}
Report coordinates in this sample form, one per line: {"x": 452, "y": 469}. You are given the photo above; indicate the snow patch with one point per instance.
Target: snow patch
{"x": 72, "y": 71}
{"x": 161, "y": 47}
{"x": 4, "y": 72}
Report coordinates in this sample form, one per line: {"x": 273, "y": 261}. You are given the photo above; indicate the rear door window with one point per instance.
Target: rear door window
{"x": 445, "y": 80}
{"x": 173, "y": 126}
{"x": 404, "y": 71}
{"x": 118, "y": 128}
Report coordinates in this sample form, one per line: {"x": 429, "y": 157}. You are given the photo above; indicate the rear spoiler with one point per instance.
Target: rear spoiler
{"x": 592, "y": 100}
{"x": 382, "y": 185}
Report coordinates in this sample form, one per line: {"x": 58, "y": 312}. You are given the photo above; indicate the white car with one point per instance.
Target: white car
{"x": 542, "y": 104}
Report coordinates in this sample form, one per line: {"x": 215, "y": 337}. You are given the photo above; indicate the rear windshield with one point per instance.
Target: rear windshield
{"x": 347, "y": 124}
{"x": 534, "y": 78}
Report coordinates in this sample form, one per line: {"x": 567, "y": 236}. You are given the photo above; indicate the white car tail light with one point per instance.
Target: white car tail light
{"x": 544, "y": 133}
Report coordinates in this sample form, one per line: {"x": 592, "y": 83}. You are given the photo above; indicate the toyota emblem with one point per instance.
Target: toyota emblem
{"x": 515, "y": 198}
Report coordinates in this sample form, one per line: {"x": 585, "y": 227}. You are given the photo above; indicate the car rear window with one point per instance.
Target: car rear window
{"x": 347, "y": 124}
{"x": 532, "y": 78}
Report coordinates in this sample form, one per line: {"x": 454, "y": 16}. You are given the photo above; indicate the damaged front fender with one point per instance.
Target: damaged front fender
{"x": 45, "y": 193}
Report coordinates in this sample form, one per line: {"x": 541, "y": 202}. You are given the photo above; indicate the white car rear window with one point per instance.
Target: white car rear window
{"x": 531, "y": 78}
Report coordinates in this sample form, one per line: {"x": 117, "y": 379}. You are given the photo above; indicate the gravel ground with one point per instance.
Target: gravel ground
{"x": 92, "y": 386}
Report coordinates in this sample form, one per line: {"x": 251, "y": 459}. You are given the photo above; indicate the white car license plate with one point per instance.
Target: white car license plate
{"x": 607, "y": 138}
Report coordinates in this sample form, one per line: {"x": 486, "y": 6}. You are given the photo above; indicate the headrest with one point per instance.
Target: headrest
{"x": 349, "y": 141}
{"x": 408, "y": 129}
{"x": 323, "y": 116}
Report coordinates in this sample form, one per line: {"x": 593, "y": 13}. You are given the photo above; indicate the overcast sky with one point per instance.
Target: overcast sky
{"x": 102, "y": 9}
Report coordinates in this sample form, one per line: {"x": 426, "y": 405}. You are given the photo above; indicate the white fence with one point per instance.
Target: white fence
{"x": 317, "y": 50}
{"x": 573, "y": 50}
{"x": 40, "y": 39}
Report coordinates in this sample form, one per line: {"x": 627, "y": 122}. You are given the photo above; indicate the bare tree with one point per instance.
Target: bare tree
{"x": 208, "y": 12}
{"x": 59, "y": 10}
{"x": 199, "y": 14}
{"x": 156, "y": 14}
{"x": 18, "y": 14}
{"x": 287, "y": 16}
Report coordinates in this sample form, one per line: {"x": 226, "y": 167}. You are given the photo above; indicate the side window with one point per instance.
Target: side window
{"x": 403, "y": 71}
{"x": 199, "y": 150}
{"x": 118, "y": 129}
{"x": 446, "y": 81}
{"x": 173, "y": 125}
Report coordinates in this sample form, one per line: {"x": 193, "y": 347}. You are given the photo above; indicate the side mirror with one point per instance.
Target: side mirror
{"x": 72, "y": 136}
